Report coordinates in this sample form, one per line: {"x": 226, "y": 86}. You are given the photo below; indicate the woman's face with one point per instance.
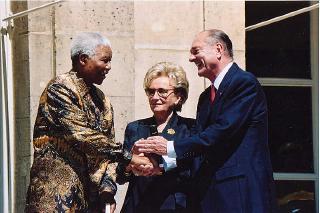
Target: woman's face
{"x": 162, "y": 98}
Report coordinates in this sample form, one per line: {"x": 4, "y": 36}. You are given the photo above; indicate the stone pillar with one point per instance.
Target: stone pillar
{"x": 20, "y": 66}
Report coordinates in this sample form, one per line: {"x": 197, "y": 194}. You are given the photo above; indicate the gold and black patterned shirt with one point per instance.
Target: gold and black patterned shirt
{"x": 75, "y": 153}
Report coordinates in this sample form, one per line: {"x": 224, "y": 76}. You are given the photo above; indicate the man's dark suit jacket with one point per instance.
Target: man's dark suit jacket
{"x": 165, "y": 193}
{"x": 235, "y": 173}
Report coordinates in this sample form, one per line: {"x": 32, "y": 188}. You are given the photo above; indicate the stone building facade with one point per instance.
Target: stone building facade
{"x": 142, "y": 33}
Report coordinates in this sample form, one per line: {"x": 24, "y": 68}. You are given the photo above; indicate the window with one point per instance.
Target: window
{"x": 281, "y": 49}
{"x": 284, "y": 57}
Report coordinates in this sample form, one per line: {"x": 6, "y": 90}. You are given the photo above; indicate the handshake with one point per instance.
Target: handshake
{"x": 144, "y": 156}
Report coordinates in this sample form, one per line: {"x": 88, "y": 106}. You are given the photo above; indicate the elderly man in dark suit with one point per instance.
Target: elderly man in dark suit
{"x": 235, "y": 173}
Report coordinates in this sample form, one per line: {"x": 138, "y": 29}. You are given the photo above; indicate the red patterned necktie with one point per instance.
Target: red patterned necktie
{"x": 212, "y": 93}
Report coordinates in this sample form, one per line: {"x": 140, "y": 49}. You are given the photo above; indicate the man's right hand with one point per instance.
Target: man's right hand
{"x": 153, "y": 144}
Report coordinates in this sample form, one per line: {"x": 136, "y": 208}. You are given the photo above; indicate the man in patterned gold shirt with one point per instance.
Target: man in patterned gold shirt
{"x": 75, "y": 153}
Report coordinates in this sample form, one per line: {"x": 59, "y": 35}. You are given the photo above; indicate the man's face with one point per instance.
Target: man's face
{"x": 204, "y": 55}
{"x": 97, "y": 66}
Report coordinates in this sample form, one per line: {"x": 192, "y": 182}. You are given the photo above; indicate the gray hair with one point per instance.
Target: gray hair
{"x": 174, "y": 72}
{"x": 215, "y": 36}
{"x": 86, "y": 43}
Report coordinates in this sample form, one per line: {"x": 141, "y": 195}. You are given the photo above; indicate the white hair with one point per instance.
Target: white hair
{"x": 86, "y": 43}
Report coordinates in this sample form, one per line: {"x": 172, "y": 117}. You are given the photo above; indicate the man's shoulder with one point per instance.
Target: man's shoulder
{"x": 242, "y": 74}
{"x": 239, "y": 77}
{"x": 64, "y": 79}
{"x": 242, "y": 81}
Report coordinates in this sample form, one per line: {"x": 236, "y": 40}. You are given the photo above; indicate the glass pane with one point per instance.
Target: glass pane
{"x": 290, "y": 128}
{"x": 281, "y": 49}
{"x": 296, "y": 196}
{"x": 258, "y": 11}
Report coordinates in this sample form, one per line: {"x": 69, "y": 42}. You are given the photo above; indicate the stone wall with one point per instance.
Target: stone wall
{"x": 142, "y": 33}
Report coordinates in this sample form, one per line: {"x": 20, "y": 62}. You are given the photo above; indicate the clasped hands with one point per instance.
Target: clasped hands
{"x": 144, "y": 161}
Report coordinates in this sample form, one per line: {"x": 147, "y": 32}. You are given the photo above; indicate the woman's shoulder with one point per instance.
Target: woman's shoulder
{"x": 144, "y": 121}
{"x": 187, "y": 121}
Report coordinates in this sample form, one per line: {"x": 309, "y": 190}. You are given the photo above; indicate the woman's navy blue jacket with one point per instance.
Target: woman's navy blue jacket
{"x": 167, "y": 192}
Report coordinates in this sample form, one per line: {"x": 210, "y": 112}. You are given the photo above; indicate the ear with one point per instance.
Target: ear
{"x": 178, "y": 100}
{"x": 219, "y": 50}
{"x": 83, "y": 58}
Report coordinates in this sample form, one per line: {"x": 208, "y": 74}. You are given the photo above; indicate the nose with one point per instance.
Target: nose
{"x": 108, "y": 66}
{"x": 192, "y": 58}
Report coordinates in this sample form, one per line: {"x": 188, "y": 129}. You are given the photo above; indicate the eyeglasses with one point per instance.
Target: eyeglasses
{"x": 163, "y": 93}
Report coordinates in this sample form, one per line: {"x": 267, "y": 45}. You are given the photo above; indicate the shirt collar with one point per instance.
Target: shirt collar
{"x": 221, "y": 75}
{"x": 82, "y": 87}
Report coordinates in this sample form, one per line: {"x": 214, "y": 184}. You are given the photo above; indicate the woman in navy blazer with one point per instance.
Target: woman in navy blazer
{"x": 166, "y": 86}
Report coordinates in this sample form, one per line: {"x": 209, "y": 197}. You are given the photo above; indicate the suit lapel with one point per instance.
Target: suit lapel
{"x": 204, "y": 108}
{"x": 168, "y": 132}
{"x": 226, "y": 81}
{"x": 207, "y": 111}
{"x": 144, "y": 128}
{"x": 171, "y": 129}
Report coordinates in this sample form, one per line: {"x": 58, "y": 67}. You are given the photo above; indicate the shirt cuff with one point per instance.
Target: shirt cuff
{"x": 169, "y": 163}
{"x": 170, "y": 150}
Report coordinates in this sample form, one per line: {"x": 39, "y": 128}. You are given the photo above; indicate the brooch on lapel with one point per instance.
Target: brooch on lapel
{"x": 171, "y": 131}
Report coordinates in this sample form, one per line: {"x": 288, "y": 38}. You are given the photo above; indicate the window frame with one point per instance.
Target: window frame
{"x": 313, "y": 83}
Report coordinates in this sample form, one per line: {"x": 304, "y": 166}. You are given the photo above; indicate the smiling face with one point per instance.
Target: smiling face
{"x": 205, "y": 56}
{"x": 162, "y": 106}
{"x": 95, "y": 68}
